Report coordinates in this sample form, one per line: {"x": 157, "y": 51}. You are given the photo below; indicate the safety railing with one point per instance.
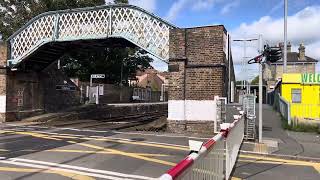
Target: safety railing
{"x": 216, "y": 158}
{"x": 284, "y": 109}
{"x": 248, "y": 105}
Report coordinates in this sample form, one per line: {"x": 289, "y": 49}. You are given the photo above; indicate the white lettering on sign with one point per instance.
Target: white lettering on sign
{"x": 20, "y": 102}
{"x": 102, "y": 76}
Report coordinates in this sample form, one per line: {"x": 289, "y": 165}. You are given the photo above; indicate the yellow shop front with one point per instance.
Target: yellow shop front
{"x": 302, "y": 91}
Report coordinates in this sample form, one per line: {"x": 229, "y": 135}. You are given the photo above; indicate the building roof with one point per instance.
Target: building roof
{"x": 294, "y": 57}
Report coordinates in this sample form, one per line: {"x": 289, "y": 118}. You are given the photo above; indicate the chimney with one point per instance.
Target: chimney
{"x": 281, "y": 45}
{"x": 302, "y": 52}
{"x": 289, "y": 47}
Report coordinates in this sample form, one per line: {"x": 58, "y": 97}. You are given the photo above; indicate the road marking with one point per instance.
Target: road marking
{"x": 33, "y": 135}
{"x": 158, "y": 145}
{"x": 316, "y": 166}
{"x": 70, "y": 136}
{"x": 74, "y": 169}
{"x": 261, "y": 161}
{"x": 102, "y": 152}
{"x": 235, "y": 178}
{"x": 133, "y": 155}
{"x": 133, "y": 133}
{"x": 102, "y": 138}
{"x": 62, "y": 173}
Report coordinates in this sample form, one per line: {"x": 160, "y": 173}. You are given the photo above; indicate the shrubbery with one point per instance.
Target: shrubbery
{"x": 301, "y": 127}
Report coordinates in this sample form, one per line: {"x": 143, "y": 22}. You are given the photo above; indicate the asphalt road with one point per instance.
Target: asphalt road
{"x": 33, "y": 153}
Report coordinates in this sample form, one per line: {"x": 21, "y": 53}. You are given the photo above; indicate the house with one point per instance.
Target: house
{"x": 297, "y": 62}
{"x": 149, "y": 78}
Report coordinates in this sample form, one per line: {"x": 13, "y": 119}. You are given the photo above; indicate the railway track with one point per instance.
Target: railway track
{"x": 113, "y": 123}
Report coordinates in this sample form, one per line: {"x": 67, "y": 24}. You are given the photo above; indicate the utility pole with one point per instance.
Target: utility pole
{"x": 260, "y": 91}
{"x": 121, "y": 74}
{"x": 285, "y": 36}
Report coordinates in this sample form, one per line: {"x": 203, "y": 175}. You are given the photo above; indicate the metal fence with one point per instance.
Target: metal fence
{"x": 235, "y": 136}
{"x": 216, "y": 158}
{"x": 284, "y": 108}
{"x": 249, "y": 107}
{"x": 221, "y": 113}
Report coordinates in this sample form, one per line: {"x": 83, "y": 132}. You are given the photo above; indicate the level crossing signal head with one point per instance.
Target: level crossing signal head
{"x": 272, "y": 54}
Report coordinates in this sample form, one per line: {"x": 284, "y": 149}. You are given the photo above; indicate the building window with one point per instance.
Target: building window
{"x": 296, "y": 95}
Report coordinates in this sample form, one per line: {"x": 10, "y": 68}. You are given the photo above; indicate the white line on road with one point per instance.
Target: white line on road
{"x": 118, "y": 132}
{"x": 74, "y": 169}
{"x": 111, "y": 138}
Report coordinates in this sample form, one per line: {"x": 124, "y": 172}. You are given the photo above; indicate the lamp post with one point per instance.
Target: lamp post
{"x": 285, "y": 36}
{"x": 260, "y": 91}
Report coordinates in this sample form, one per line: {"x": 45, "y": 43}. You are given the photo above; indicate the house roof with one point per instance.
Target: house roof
{"x": 294, "y": 57}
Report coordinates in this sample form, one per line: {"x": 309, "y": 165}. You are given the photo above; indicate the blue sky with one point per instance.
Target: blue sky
{"x": 243, "y": 19}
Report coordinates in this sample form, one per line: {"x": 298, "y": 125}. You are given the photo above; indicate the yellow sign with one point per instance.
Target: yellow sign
{"x": 309, "y": 78}
{"x": 306, "y": 78}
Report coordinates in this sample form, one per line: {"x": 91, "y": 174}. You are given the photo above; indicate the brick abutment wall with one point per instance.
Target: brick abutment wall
{"x": 198, "y": 68}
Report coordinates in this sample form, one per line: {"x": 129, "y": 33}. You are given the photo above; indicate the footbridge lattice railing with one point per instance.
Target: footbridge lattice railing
{"x": 138, "y": 26}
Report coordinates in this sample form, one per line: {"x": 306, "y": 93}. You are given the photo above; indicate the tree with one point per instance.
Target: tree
{"x": 255, "y": 81}
{"x": 106, "y": 61}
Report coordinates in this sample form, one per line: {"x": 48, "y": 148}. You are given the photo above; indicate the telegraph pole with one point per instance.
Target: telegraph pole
{"x": 260, "y": 91}
{"x": 285, "y": 36}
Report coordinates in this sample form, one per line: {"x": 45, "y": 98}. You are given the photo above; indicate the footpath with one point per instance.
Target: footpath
{"x": 282, "y": 142}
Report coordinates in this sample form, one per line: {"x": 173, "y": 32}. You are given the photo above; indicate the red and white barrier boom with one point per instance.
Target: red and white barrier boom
{"x": 215, "y": 159}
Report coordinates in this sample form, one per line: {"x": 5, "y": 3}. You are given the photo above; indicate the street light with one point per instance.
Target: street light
{"x": 285, "y": 36}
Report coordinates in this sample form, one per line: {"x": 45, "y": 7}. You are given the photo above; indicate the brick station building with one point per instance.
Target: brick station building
{"x": 200, "y": 64}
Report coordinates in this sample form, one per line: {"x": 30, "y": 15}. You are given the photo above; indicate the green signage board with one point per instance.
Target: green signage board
{"x": 310, "y": 78}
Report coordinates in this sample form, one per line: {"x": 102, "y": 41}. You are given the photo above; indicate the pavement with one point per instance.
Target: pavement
{"x": 284, "y": 162}
{"x": 289, "y": 143}
{"x": 259, "y": 167}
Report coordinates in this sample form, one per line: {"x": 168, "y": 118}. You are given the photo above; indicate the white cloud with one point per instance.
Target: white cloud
{"x": 195, "y": 5}
{"x": 227, "y": 8}
{"x": 278, "y": 6}
{"x": 303, "y": 27}
{"x": 203, "y": 4}
{"x": 176, "y": 8}
{"x": 149, "y": 5}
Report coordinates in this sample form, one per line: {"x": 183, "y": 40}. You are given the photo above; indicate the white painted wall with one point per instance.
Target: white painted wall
{"x": 176, "y": 110}
{"x": 2, "y": 104}
{"x": 192, "y": 110}
{"x": 204, "y": 110}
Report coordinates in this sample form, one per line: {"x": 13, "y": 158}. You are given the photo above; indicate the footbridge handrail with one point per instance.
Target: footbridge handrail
{"x": 135, "y": 24}
{"x": 216, "y": 158}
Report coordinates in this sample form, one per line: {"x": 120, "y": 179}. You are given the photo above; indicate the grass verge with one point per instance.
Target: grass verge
{"x": 302, "y": 127}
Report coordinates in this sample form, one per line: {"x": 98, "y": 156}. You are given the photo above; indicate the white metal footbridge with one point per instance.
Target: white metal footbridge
{"x": 47, "y": 36}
